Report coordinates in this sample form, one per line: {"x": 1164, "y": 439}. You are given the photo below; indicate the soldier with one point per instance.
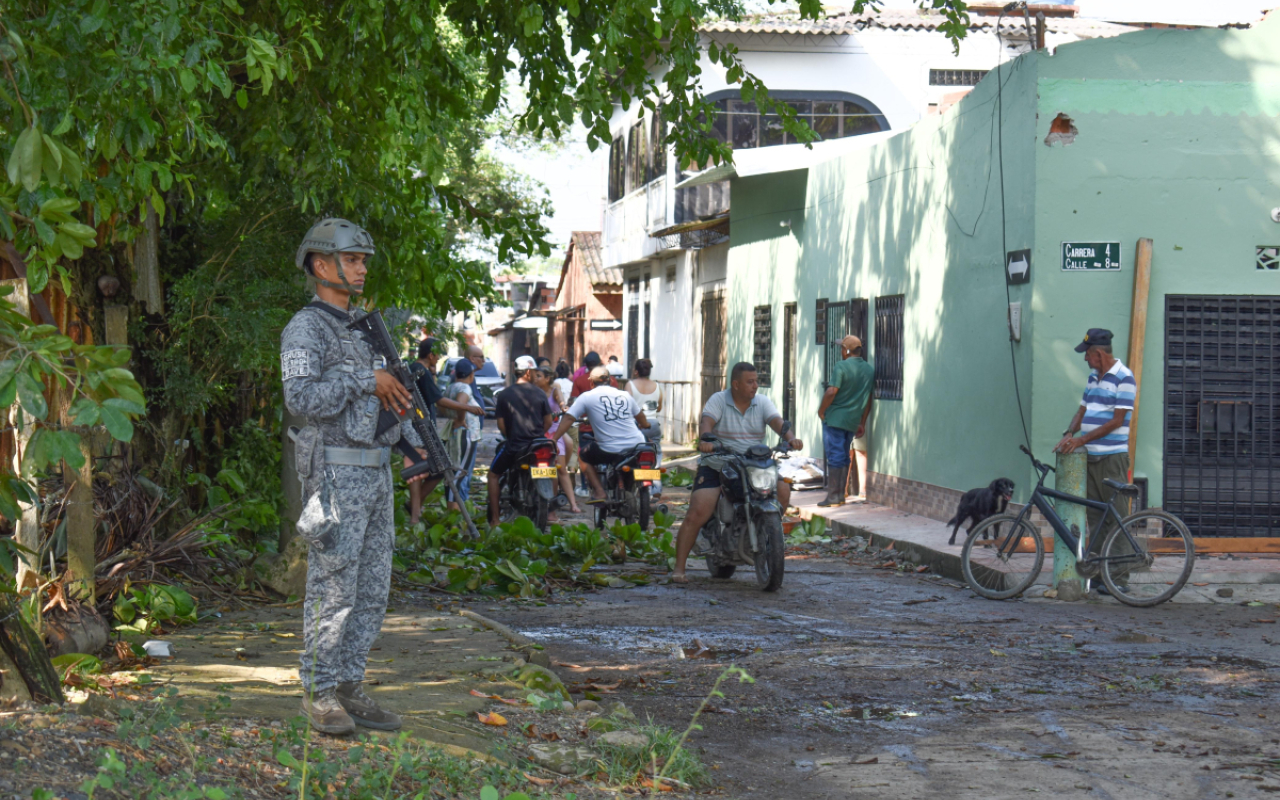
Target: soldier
{"x": 331, "y": 380}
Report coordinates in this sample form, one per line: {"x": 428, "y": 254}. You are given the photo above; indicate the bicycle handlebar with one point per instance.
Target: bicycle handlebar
{"x": 1038, "y": 464}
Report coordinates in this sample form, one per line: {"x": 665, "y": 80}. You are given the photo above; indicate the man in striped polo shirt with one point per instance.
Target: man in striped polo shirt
{"x": 1103, "y": 425}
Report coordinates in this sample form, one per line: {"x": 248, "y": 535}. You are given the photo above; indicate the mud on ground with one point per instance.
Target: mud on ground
{"x": 873, "y": 680}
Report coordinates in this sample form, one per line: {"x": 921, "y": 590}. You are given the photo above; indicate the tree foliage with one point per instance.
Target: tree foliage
{"x": 237, "y": 124}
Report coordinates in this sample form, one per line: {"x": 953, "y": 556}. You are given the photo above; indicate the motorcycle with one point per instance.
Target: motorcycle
{"x": 746, "y": 528}
{"x": 529, "y": 487}
{"x": 626, "y": 484}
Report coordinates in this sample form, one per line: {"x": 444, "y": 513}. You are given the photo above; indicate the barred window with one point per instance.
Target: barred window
{"x": 955, "y": 77}
{"x": 889, "y": 347}
{"x": 763, "y": 340}
{"x": 743, "y": 126}
{"x": 657, "y": 148}
{"x": 617, "y": 169}
{"x": 820, "y": 322}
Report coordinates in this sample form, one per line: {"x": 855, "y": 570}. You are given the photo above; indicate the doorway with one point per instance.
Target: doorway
{"x": 713, "y": 345}
{"x": 1221, "y": 426}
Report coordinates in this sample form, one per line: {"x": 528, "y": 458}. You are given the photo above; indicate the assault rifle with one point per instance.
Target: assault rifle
{"x": 436, "y": 462}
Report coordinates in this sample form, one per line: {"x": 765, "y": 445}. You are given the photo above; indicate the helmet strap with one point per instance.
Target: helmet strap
{"x": 342, "y": 276}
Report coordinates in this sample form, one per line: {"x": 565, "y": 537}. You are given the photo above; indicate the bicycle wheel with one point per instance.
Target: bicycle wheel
{"x": 1159, "y": 568}
{"x": 1002, "y": 557}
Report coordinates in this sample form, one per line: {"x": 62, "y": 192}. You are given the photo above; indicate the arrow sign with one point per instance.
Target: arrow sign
{"x": 1018, "y": 266}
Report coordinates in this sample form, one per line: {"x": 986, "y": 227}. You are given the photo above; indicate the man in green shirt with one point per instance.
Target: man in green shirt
{"x": 844, "y": 411}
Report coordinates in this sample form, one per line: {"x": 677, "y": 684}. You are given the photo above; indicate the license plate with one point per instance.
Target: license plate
{"x": 648, "y": 474}
{"x": 542, "y": 472}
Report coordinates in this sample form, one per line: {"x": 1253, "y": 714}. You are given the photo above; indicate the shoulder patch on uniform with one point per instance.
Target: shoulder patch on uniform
{"x": 294, "y": 364}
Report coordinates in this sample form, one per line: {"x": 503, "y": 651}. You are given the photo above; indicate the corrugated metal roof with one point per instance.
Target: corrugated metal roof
{"x": 842, "y": 23}
{"x": 588, "y": 245}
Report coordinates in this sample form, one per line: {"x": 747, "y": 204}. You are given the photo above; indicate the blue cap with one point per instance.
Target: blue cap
{"x": 463, "y": 368}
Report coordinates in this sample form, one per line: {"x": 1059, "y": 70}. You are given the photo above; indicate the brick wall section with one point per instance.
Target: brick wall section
{"x": 928, "y": 500}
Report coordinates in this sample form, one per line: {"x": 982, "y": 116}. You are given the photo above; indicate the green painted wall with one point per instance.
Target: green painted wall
{"x": 1179, "y": 141}
{"x": 918, "y": 215}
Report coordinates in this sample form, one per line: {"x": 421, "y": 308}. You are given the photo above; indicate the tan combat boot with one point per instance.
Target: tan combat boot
{"x": 325, "y": 713}
{"x": 364, "y": 711}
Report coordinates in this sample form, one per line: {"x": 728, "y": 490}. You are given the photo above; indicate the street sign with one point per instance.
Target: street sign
{"x": 1091, "y": 256}
{"x": 1017, "y": 266}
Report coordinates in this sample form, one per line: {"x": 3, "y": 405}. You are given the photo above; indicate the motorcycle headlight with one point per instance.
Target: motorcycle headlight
{"x": 764, "y": 479}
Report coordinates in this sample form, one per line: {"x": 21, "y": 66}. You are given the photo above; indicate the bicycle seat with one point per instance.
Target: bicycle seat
{"x": 1122, "y": 488}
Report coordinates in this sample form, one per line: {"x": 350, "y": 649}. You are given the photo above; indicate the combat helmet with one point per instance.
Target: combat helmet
{"x": 330, "y": 236}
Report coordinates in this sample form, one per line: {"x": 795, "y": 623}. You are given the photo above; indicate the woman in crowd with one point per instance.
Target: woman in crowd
{"x": 544, "y": 379}
{"x": 463, "y": 433}
{"x": 648, "y": 394}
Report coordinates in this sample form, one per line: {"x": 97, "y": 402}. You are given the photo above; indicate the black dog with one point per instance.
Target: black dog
{"x": 978, "y": 504}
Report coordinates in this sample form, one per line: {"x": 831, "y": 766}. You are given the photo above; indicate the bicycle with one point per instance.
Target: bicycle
{"x": 1143, "y": 562}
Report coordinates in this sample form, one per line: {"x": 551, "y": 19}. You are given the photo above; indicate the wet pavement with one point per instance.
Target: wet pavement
{"x": 872, "y": 680}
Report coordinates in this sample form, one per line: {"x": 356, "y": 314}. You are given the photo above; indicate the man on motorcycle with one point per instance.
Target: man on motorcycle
{"x": 523, "y": 415}
{"x": 737, "y": 417}
{"x": 616, "y": 419}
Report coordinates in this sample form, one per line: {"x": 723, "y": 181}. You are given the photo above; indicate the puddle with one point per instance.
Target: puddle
{"x": 671, "y": 642}
{"x": 1134, "y": 637}
{"x": 901, "y": 658}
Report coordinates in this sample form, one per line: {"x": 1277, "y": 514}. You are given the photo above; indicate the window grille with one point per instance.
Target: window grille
{"x": 657, "y": 148}
{"x": 955, "y": 77}
{"x": 889, "y": 347}
{"x": 820, "y": 323}
{"x": 1269, "y": 257}
{"x": 617, "y": 169}
{"x": 742, "y": 126}
{"x": 763, "y": 339}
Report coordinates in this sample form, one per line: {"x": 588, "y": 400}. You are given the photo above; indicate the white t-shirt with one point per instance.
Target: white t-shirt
{"x": 565, "y": 386}
{"x": 612, "y": 414}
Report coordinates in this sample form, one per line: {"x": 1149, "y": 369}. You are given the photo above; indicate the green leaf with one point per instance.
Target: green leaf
{"x": 64, "y": 125}
{"x": 70, "y": 247}
{"x": 213, "y": 793}
{"x": 130, "y": 407}
{"x": 118, "y": 425}
{"x": 231, "y": 479}
{"x": 90, "y": 24}
{"x": 489, "y": 793}
{"x": 31, "y": 158}
{"x": 51, "y": 151}
{"x": 87, "y": 235}
{"x": 81, "y": 663}
{"x": 14, "y": 165}
{"x": 242, "y": 99}
{"x": 8, "y": 391}
{"x": 45, "y": 231}
{"x": 60, "y": 205}
{"x": 72, "y": 169}
{"x": 286, "y": 759}
{"x": 84, "y": 412}
{"x": 188, "y": 80}
{"x": 31, "y": 396}
{"x": 37, "y": 273}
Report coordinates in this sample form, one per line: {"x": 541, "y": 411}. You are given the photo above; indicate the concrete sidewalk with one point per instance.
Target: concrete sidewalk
{"x": 924, "y": 541}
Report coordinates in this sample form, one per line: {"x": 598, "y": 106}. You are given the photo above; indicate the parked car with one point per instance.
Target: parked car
{"x": 488, "y": 378}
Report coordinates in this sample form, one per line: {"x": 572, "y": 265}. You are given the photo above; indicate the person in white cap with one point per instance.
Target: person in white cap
{"x": 524, "y": 415}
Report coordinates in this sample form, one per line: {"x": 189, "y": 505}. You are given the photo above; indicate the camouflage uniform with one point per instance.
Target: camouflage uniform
{"x": 328, "y": 374}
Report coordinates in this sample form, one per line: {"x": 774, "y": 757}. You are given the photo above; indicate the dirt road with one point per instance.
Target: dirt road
{"x": 873, "y": 682}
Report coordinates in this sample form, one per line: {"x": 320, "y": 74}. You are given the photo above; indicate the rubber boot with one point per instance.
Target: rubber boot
{"x": 837, "y": 481}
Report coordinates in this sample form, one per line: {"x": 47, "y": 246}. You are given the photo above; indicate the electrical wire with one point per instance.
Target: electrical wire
{"x": 1004, "y": 234}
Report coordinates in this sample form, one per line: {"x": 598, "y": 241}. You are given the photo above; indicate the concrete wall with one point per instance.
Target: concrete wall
{"x": 918, "y": 215}
{"x": 1179, "y": 141}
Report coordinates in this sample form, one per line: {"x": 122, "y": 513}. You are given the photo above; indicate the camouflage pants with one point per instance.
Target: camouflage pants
{"x": 347, "y": 585}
